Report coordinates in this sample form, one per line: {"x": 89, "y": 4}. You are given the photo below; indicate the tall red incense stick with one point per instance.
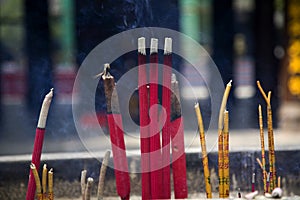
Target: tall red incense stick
{"x": 155, "y": 154}
{"x": 166, "y": 130}
{"x": 38, "y": 143}
{"x": 115, "y": 125}
{"x": 177, "y": 139}
{"x": 144, "y": 119}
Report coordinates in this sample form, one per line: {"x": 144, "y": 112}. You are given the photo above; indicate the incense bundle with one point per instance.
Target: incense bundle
{"x": 166, "y": 132}
{"x": 155, "y": 155}
{"x": 144, "y": 119}
{"x": 41, "y": 189}
{"x": 38, "y": 143}
{"x": 177, "y": 141}
{"x": 226, "y": 155}
{"x": 114, "y": 119}
{"x": 221, "y": 141}
{"x": 272, "y": 167}
{"x": 204, "y": 152}
{"x": 102, "y": 175}
{"x": 262, "y": 140}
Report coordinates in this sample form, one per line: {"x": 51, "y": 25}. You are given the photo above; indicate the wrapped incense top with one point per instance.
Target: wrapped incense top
{"x": 154, "y": 46}
{"x": 45, "y": 109}
{"x": 168, "y": 46}
{"x": 142, "y": 45}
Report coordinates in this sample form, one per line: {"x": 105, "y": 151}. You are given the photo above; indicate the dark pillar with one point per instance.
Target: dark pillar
{"x": 223, "y": 37}
{"x": 37, "y": 50}
{"x": 266, "y": 65}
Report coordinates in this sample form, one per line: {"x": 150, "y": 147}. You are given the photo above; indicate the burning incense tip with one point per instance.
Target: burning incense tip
{"x": 142, "y": 45}
{"x": 45, "y": 109}
{"x": 154, "y": 45}
{"x": 168, "y": 46}
{"x": 229, "y": 83}
{"x": 105, "y": 72}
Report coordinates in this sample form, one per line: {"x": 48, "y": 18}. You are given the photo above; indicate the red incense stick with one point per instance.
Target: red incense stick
{"x": 38, "y": 143}
{"x": 166, "y": 130}
{"x": 177, "y": 139}
{"x": 115, "y": 125}
{"x": 144, "y": 119}
{"x": 253, "y": 183}
{"x": 155, "y": 154}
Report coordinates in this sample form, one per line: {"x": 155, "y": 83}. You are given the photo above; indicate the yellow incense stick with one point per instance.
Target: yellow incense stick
{"x": 262, "y": 140}
{"x": 226, "y": 155}
{"x": 204, "y": 152}
{"x": 50, "y": 185}
{"x": 37, "y": 181}
{"x": 270, "y": 137}
{"x": 220, "y": 140}
{"x": 44, "y": 180}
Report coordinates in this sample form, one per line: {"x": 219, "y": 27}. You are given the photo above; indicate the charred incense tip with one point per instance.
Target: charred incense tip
{"x": 168, "y": 46}
{"x": 154, "y": 46}
{"x": 142, "y": 45}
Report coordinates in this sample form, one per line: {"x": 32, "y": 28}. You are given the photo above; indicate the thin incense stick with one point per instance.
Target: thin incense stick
{"x": 270, "y": 137}
{"x": 88, "y": 188}
{"x": 155, "y": 155}
{"x": 262, "y": 140}
{"x": 253, "y": 183}
{"x": 44, "y": 181}
{"x": 38, "y": 143}
{"x": 102, "y": 175}
{"x": 114, "y": 119}
{"x": 221, "y": 139}
{"x": 204, "y": 152}
{"x": 82, "y": 183}
{"x": 144, "y": 119}
{"x": 50, "y": 185}
{"x": 166, "y": 133}
{"x": 226, "y": 155}
{"x": 177, "y": 141}
{"x": 37, "y": 182}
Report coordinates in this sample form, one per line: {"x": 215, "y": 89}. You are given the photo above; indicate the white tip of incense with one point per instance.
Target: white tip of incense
{"x": 168, "y": 46}
{"x": 226, "y": 111}
{"x": 90, "y": 180}
{"x": 154, "y": 46}
{"x": 277, "y": 193}
{"x": 253, "y": 178}
{"x": 142, "y": 45}
{"x": 50, "y": 171}
{"x": 32, "y": 166}
{"x": 50, "y": 94}
{"x": 106, "y": 66}
{"x": 44, "y": 166}
{"x": 229, "y": 83}
{"x": 196, "y": 104}
{"x": 251, "y": 195}
{"x": 173, "y": 78}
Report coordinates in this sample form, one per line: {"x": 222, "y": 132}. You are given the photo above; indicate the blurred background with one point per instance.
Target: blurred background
{"x": 43, "y": 43}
